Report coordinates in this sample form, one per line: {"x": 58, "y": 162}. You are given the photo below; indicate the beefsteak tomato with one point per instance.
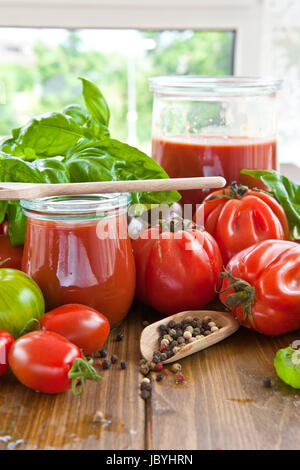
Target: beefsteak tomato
{"x": 81, "y": 325}
{"x": 261, "y": 286}
{"x": 176, "y": 269}
{"x": 238, "y": 217}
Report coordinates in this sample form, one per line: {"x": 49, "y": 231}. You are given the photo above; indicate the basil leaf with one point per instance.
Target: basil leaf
{"x": 111, "y": 160}
{"x": 14, "y": 169}
{"x": 78, "y": 113}
{"x": 95, "y": 102}
{"x": 49, "y": 134}
{"x": 3, "y": 209}
{"x": 286, "y": 192}
{"x": 16, "y": 224}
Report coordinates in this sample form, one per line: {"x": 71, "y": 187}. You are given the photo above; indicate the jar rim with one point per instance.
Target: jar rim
{"x": 217, "y": 85}
{"x": 79, "y": 204}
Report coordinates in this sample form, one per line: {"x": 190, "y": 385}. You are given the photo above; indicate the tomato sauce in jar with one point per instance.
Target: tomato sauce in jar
{"x": 211, "y": 156}
{"x": 78, "y": 250}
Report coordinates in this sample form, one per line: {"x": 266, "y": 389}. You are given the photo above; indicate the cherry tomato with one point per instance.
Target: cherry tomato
{"x": 6, "y": 340}
{"x": 11, "y": 253}
{"x": 47, "y": 362}
{"x": 81, "y": 325}
{"x": 262, "y": 287}
{"x": 241, "y": 218}
{"x": 176, "y": 270}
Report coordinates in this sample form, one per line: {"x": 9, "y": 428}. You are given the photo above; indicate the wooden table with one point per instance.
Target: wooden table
{"x": 222, "y": 405}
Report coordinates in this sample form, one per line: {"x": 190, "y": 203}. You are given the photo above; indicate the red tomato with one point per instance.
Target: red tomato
{"x": 6, "y": 340}
{"x": 81, "y": 325}
{"x": 265, "y": 292}
{"x": 47, "y": 362}
{"x": 14, "y": 254}
{"x": 4, "y": 228}
{"x": 176, "y": 271}
{"x": 242, "y": 219}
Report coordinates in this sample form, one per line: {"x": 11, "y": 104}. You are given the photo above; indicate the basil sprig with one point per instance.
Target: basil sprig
{"x": 73, "y": 146}
{"x": 286, "y": 192}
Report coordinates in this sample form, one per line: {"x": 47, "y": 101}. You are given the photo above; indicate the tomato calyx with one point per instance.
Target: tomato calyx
{"x": 32, "y": 325}
{"x": 178, "y": 224}
{"x": 81, "y": 371}
{"x": 243, "y": 295}
{"x": 235, "y": 191}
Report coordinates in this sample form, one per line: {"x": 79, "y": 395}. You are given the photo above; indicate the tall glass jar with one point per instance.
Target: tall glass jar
{"x": 78, "y": 250}
{"x": 209, "y": 126}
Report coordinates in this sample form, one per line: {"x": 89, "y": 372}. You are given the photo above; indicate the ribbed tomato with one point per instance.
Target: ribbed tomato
{"x": 20, "y": 300}
{"x": 176, "y": 270}
{"x": 262, "y": 287}
{"x": 238, "y": 217}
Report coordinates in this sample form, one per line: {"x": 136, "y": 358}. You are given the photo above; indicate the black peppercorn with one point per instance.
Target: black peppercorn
{"x": 106, "y": 364}
{"x": 179, "y": 332}
{"x": 163, "y": 357}
{"x": 171, "y": 324}
{"x": 267, "y": 382}
{"x": 159, "y": 378}
{"x": 102, "y": 353}
{"x": 123, "y": 365}
{"x": 119, "y": 337}
{"x": 114, "y": 359}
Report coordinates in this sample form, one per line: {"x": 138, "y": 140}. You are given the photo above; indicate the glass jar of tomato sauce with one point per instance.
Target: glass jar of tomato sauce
{"x": 214, "y": 126}
{"x": 78, "y": 250}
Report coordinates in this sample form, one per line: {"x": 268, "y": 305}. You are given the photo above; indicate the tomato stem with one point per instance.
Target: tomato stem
{"x": 178, "y": 223}
{"x": 32, "y": 325}
{"x": 235, "y": 191}
{"x": 81, "y": 371}
{"x": 244, "y": 295}
{"x": 4, "y": 261}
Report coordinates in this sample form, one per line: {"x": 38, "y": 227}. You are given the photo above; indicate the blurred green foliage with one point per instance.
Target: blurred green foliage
{"x": 50, "y": 83}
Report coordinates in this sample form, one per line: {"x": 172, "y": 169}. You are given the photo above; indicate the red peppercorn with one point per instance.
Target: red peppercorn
{"x": 163, "y": 347}
{"x": 180, "y": 377}
{"x": 159, "y": 366}
{"x": 166, "y": 371}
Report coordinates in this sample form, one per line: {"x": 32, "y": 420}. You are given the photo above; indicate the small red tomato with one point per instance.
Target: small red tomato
{"x": 6, "y": 340}
{"x": 13, "y": 254}
{"x": 49, "y": 363}
{"x": 81, "y": 325}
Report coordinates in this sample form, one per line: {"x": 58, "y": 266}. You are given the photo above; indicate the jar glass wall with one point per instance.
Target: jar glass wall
{"x": 77, "y": 249}
{"x": 214, "y": 126}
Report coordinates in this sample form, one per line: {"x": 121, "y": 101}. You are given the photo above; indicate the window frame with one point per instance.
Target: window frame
{"x": 245, "y": 17}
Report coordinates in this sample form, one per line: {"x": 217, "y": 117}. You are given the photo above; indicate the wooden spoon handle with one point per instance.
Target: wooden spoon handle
{"x": 17, "y": 191}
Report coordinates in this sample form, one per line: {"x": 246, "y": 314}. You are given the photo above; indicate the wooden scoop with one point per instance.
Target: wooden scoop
{"x": 16, "y": 191}
{"x": 150, "y": 335}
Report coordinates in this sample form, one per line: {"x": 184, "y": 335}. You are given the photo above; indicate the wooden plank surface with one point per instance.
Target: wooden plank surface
{"x": 65, "y": 422}
{"x": 222, "y": 405}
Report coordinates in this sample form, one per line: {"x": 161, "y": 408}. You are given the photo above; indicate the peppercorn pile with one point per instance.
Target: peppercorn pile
{"x": 174, "y": 336}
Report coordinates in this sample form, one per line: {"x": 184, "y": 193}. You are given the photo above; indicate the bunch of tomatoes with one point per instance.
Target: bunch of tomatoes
{"x": 242, "y": 252}
{"x": 237, "y": 246}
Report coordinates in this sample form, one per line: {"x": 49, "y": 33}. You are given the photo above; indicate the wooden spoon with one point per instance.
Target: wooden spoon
{"x": 150, "y": 334}
{"x": 16, "y": 191}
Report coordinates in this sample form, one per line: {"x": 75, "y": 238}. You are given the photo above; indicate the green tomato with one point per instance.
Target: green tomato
{"x": 287, "y": 365}
{"x": 20, "y": 300}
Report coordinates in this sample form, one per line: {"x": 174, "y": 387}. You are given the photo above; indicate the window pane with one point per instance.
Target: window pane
{"x": 38, "y": 70}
